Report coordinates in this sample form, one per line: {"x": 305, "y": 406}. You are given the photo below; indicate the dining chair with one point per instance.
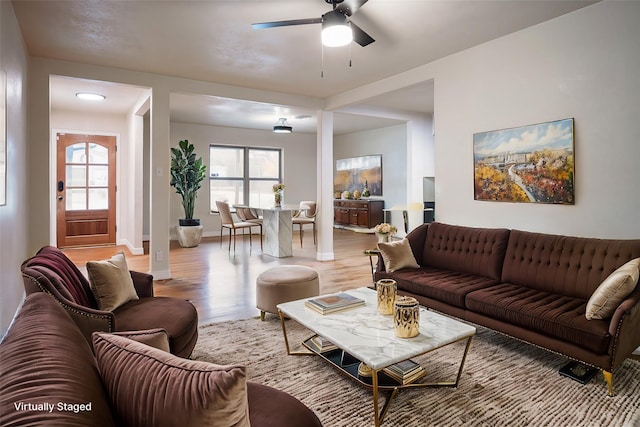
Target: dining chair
{"x": 233, "y": 226}
{"x": 247, "y": 214}
{"x": 306, "y": 215}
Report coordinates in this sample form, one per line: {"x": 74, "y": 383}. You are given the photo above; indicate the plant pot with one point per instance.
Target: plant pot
{"x": 189, "y": 236}
{"x": 188, "y": 222}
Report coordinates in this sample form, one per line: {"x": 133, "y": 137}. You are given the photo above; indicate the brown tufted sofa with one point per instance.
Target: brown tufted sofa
{"x": 46, "y": 360}
{"x": 531, "y": 286}
{"x": 52, "y": 272}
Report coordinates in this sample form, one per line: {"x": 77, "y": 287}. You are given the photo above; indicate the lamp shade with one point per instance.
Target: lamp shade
{"x": 282, "y": 126}
{"x": 336, "y": 30}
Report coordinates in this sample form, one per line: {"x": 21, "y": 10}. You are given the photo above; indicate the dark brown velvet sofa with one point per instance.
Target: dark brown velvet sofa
{"x": 52, "y": 272}
{"x": 49, "y": 376}
{"x": 531, "y": 286}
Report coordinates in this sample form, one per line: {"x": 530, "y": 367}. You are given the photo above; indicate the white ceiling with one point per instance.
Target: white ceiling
{"x": 213, "y": 41}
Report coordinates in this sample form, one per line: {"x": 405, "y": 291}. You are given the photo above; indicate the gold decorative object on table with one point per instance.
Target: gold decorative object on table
{"x": 406, "y": 317}
{"x": 387, "y": 289}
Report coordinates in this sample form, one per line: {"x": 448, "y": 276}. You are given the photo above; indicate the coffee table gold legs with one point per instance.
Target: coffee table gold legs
{"x": 286, "y": 339}
{"x": 378, "y": 417}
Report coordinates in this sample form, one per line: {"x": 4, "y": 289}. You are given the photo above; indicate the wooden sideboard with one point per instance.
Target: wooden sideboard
{"x": 361, "y": 213}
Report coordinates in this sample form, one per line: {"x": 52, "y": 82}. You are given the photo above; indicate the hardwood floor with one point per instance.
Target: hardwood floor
{"x": 221, "y": 284}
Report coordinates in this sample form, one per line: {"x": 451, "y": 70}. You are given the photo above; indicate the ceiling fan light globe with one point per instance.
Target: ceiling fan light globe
{"x": 336, "y": 35}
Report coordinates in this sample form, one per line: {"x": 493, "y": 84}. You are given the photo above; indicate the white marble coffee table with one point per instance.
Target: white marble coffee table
{"x": 369, "y": 337}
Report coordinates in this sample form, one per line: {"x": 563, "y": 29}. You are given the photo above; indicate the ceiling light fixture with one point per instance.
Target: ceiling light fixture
{"x": 282, "y": 126}
{"x": 90, "y": 96}
{"x": 336, "y": 30}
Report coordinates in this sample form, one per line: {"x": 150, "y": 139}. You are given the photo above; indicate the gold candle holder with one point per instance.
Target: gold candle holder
{"x": 387, "y": 289}
{"x": 406, "y": 317}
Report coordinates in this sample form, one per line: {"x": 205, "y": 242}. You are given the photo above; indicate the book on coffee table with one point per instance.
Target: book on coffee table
{"x": 332, "y": 303}
{"x": 405, "y": 372}
{"x": 321, "y": 344}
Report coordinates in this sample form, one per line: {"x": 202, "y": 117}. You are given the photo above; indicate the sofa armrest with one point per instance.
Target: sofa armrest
{"x": 417, "y": 238}
{"x": 625, "y": 328}
{"x": 143, "y": 283}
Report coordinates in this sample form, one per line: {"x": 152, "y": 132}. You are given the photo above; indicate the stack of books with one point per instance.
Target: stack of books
{"x": 332, "y": 303}
{"x": 320, "y": 344}
{"x": 405, "y": 372}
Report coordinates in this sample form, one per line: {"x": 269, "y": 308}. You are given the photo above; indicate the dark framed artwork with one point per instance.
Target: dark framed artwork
{"x": 528, "y": 164}
{"x": 353, "y": 173}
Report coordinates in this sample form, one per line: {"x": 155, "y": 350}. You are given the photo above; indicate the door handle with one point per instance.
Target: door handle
{"x": 60, "y": 197}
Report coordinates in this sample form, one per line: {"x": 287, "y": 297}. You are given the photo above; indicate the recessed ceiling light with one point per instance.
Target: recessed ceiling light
{"x": 90, "y": 96}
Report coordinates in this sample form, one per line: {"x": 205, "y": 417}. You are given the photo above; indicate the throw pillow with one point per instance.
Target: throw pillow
{"x": 613, "y": 290}
{"x": 147, "y": 386}
{"x": 397, "y": 255}
{"x": 111, "y": 282}
{"x": 156, "y": 338}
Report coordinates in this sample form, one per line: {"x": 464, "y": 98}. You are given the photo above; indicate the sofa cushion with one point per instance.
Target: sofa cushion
{"x": 397, "y": 255}
{"x": 45, "y": 359}
{"x": 564, "y": 265}
{"x": 477, "y": 251}
{"x": 111, "y": 282}
{"x": 448, "y": 286}
{"x": 156, "y": 338}
{"x": 615, "y": 288}
{"x": 178, "y": 317}
{"x": 148, "y": 386}
{"x": 549, "y": 314}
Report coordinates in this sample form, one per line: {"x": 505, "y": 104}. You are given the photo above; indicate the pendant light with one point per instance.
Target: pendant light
{"x": 282, "y": 126}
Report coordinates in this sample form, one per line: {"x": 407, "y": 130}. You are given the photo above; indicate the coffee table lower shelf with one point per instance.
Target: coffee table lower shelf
{"x": 348, "y": 365}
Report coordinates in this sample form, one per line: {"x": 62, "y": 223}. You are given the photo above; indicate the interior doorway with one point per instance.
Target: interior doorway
{"x": 85, "y": 190}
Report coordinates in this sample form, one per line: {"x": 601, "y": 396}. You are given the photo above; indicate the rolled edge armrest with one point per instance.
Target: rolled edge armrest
{"x": 417, "y": 238}
{"x": 89, "y": 320}
{"x": 143, "y": 283}
{"x": 625, "y": 328}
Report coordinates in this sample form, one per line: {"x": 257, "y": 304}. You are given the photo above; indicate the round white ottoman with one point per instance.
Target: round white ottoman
{"x": 284, "y": 283}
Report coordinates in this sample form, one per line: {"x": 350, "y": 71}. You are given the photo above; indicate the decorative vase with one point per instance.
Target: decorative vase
{"x": 278, "y": 199}
{"x": 365, "y": 190}
{"x": 387, "y": 289}
{"x": 406, "y": 317}
{"x": 383, "y": 237}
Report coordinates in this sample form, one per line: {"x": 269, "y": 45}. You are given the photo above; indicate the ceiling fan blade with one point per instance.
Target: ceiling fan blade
{"x": 349, "y": 7}
{"x": 359, "y": 36}
{"x": 261, "y": 25}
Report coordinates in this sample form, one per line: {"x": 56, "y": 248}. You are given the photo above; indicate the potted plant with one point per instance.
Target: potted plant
{"x": 187, "y": 174}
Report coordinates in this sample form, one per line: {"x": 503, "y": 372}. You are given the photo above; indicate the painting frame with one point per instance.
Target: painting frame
{"x": 526, "y": 164}
{"x": 354, "y": 172}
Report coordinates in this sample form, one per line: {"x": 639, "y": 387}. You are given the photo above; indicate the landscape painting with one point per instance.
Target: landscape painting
{"x": 353, "y": 173}
{"x": 529, "y": 164}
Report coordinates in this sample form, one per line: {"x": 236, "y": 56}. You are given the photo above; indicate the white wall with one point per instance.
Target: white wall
{"x": 299, "y": 169}
{"x": 391, "y": 142}
{"x": 13, "y": 216}
{"x": 582, "y": 65}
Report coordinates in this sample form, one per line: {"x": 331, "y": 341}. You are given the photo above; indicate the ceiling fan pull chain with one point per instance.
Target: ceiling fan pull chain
{"x": 350, "y": 54}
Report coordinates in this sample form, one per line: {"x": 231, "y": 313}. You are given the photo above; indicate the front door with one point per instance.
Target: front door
{"x": 86, "y": 190}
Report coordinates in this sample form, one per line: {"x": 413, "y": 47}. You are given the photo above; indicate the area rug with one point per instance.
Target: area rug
{"x": 505, "y": 382}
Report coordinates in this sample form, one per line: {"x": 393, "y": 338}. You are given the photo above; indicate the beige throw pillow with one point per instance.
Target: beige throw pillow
{"x": 397, "y": 255}
{"x": 613, "y": 290}
{"x": 147, "y": 386}
{"x": 111, "y": 282}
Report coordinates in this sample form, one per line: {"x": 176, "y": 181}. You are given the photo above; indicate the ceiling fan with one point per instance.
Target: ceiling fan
{"x": 337, "y": 28}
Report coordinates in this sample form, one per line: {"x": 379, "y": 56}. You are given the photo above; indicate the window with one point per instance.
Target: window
{"x": 243, "y": 175}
